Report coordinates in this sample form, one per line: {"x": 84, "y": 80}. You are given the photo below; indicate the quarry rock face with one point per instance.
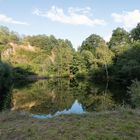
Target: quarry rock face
{"x": 11, "y": 50}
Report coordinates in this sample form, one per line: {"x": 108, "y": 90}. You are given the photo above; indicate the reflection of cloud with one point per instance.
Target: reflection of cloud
{"x": 6, "y": 19}
{"x": 75, "y": 109}
{"x": 75, "y": 16}
{"x": 128, "y": 19}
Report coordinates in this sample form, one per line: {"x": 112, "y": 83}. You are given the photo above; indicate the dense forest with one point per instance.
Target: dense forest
{"x": 46, "y": 56}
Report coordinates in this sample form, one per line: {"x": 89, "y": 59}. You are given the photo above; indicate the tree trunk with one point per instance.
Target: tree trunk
{"x": 106, "y": 69}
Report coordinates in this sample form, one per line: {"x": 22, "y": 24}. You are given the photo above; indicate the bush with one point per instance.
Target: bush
{"x": 5, "y": 85}
{"x": 81, "y": 75}
{"x": 134, "y": 91}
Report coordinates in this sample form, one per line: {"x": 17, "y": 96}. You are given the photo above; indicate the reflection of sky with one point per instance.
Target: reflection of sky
{"x": 75, "y": 109}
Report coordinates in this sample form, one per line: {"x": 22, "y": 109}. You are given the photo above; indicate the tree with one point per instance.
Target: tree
{"x": 96, "y": 55}
{"x": 135, "y": 33}
{"x": 7, "y": 36}
{"x": 63, "y": 58}
{"x": 127, "y": 65}
{"x": 103, "y": 58}
{"x": 78, "y": 64}
{"x": 4, "y": 35}
{"x": 69, "y": 44}
{"x": 92, "y": 42}
{"x": 119, "y": 37}
{"x": 43, "y": 42}
{"x": 87, "y": 58}
{"x": 134, "y": 91}
{"x": 14, "y": 37}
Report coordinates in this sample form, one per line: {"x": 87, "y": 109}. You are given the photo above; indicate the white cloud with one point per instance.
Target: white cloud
{"x": 6, "y": 19}
{"x": 128, "y": 19}
{"x": 75, "y": 16}
{"x": 84, "y": 11}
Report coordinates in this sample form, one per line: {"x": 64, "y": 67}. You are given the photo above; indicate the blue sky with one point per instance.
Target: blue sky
{"x": 71, "y": 19}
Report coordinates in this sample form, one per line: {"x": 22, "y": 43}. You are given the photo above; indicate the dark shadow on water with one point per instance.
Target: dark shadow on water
{"x": 5, "y": 86}
{"x": 119, "y": 93}
{"x": 9, "y": 79}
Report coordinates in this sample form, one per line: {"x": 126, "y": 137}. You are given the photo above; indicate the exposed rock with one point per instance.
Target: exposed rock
{"x": 26, "y": 47}
{"x": 13, "y": 47}
{"x": 52, "y": 57}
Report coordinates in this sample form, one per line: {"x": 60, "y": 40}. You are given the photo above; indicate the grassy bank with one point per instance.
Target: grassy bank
{"x": 117, "y": 125}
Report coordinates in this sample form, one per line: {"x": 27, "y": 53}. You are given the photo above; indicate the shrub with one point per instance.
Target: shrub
{"x": 134, "y": 91}
{"x": 5, "y": 85}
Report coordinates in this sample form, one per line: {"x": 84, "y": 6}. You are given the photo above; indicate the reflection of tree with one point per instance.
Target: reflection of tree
{"x": 8, "y": 74}
{"x": 50, "y": 96}
{"x": 98, "y": 102}
{"x": 119, "y": 93}
{"x": 95, "y": 98}
{"x": 47, "y": 96}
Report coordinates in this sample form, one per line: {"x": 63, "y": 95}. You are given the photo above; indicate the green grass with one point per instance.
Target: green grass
{"x": 115, "y": 125}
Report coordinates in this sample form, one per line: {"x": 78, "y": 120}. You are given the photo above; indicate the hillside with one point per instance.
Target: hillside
{"x": 41, "y": 55}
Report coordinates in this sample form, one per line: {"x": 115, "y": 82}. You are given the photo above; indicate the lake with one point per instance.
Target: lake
{"x": 53, "y": 97}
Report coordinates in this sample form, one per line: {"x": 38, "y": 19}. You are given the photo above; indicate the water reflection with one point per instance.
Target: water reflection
{"x": 75, "y": 109}
{"x": 64, "y": 96}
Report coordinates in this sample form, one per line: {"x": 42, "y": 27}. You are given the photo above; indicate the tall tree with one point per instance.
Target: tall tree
{"x": 119, "y": 37}
{"x": 14, "y": 37}
{"x": 135, "y": 33}
{"x": 92, "y": 42}
{"x": 104, "y": 58}
{"x": 4, "y": 35}
{"x": 63, "y": 58}
{"x": 127, "y": 66}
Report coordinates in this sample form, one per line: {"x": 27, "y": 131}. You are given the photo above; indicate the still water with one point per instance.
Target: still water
{"x": 48, "y": 98}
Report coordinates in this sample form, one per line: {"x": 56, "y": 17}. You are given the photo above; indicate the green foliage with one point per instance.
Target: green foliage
{"x": 87, "y": 58}
{"x": 3, "y": 47}
{"x": 96, "y": 55}
{"x": 119, "y": 37}
{"x": 5, "y": 85}
{"x": 78, "y": 64}
{"x": 6, "y": 36}
{"x": 134, "y": 91}
{"x": 120, "y": 49}
{"x": 103, "y": 55}
{"x": 43, "y": 41}
{"x": 5, "y": 76}
{"x": 92, "y": 42}
{"x": 48, "y": 56}
{"x": 135, "y": 33}
{"x": 127, "y": 66}
{"x": 102, "y": 61}
{"x": 56, "y": 57}
{"x": 22, "y": 72}
{"x": 68, "y": 43}
{"x": 63, "y": 59}
{"x": 14, "y": 37}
